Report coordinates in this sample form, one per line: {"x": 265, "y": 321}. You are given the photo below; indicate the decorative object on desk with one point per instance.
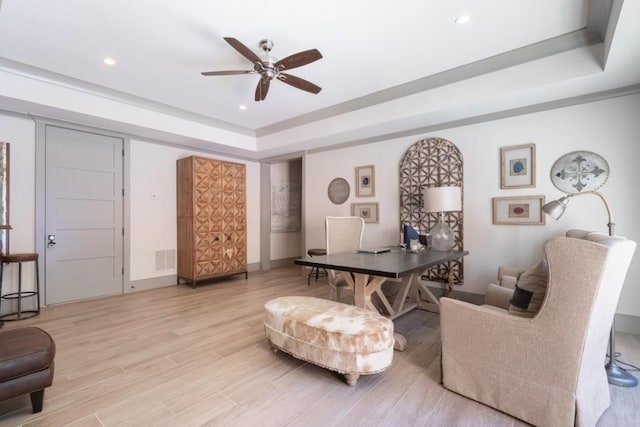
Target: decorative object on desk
{"x": 615, "y": 374}
{"x": 409, "y": 233}
{"x": 442, "y": 199}
{"x": 521, "y": 210}
{"x": 338, "y": 190}
{"x": 365, "y": 181}
{"x": 366, "y": 211}
{"x": 518, "y": 166}
{"x": 578, "y": 171}
{"x": 432, "y": 162}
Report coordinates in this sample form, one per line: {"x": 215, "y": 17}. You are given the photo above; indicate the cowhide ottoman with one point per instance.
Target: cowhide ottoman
{"x": 336, "y": 336}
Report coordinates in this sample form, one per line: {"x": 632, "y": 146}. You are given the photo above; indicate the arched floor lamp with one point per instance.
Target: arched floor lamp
{"x": 615, "y": 374}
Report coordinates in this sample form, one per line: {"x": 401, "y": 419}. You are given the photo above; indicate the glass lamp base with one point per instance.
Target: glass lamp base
{"x": 442, "y": 237}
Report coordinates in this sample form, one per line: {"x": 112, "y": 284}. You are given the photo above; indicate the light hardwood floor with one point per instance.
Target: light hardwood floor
{"x": 179, "y": 356}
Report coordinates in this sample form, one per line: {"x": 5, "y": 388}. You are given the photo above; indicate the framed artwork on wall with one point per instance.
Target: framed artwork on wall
{"x": 518, "y": 166}
{"x": 366, "y": 211}
{"x": 522, "y": 210}
{"x": 365, "y": 181}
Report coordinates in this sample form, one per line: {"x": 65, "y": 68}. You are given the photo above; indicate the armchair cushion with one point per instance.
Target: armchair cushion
{"x": 530, "y": 290}
{"x": 498, "y": 296}
{"x": 508, "y": 276}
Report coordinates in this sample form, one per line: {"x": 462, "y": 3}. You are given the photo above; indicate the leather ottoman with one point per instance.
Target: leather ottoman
{"x": 26, "y": 364}
{"x": 340, "y": 337}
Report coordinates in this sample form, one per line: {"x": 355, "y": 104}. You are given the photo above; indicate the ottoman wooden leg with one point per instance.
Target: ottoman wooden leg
{"x": 274, "y": 348}
{"x": 352, "y": 379}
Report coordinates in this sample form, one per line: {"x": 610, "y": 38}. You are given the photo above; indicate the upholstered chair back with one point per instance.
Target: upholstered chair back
{"x": 343, "y": 234}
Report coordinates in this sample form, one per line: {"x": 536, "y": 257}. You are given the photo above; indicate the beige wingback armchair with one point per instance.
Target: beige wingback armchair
{"x": 547, "y": 370}
{"x": 343, "y": 234}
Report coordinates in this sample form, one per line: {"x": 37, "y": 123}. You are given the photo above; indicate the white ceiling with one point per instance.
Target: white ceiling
{"x": 377, "y": 57}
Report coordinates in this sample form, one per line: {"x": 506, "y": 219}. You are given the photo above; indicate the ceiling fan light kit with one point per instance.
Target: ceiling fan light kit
{"x": 271, "y": 68}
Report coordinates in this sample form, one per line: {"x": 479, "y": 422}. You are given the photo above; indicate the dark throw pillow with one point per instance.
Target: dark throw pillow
{"x": 530, "y": 290}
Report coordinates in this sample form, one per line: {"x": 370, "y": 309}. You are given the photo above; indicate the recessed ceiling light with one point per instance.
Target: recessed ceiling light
{"x": 109, "y": 60}
{"x": 462, "y": 19}
{"x": 242, "y": 107}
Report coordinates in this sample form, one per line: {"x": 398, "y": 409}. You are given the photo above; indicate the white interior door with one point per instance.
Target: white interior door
{"x": 83, "y": 225}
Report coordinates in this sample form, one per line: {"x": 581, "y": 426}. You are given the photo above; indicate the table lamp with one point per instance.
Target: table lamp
{"x": 615, "y": 374}
{"x": 442, "y": 199}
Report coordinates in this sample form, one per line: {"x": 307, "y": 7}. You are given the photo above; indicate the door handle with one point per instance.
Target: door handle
{"x": 51, "y": 240}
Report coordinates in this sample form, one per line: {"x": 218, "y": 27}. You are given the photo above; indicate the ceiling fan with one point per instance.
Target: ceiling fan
{"x": 270, "y": 67}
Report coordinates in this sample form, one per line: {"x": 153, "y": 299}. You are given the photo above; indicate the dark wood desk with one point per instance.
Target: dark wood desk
{"x": 370, "y": 271}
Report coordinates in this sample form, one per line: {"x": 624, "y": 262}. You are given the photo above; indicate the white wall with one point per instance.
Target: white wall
{"x": 609, "y": 128}
{"x": 19, "y": 132}
{"x": 153, "y": 219}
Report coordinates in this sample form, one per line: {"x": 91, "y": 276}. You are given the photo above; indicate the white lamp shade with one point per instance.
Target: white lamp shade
{"x": 442, "y": 199}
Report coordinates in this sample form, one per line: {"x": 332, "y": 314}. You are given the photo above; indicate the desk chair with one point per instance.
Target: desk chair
{"x": 343, "y": 234}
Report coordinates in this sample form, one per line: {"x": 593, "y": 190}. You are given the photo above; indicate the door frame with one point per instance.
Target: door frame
{"x": 40, "y": 195}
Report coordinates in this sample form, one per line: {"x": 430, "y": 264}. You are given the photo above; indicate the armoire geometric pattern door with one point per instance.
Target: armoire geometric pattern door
{"x": 211, "y": 208}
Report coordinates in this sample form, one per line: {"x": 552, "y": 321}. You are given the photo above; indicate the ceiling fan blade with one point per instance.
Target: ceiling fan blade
{"x": 244, "y": 51}
{"x": 262, "y": 89}
{"x": 299, "y": 59}
{"x": 299, "y": 83}
{"x": 227, "y": 73}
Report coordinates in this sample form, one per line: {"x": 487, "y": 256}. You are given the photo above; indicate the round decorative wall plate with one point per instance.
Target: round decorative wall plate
{"x": 579, "y": 171}
{"x": 339, "y": 190}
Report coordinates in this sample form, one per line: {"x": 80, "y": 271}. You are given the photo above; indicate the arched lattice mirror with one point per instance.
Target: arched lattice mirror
{"x": 432, "y": 162}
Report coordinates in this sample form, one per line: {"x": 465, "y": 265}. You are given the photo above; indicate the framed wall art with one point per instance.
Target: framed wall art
{"x": 522, "y": 210}
{"x": 366, "y": 211}
{"x": 518, "y": 166}
{"x": 365, "y": 181}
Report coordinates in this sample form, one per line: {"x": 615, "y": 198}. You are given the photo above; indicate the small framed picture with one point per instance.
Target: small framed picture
{"x": 523, "y": 210}
{"x": 365, "y": 181}
{"x": 518, "y": 166}
{"x": 366, "y": 211}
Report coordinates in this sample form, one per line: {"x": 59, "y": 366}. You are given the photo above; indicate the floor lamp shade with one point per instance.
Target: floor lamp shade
{"x": 442, "y": 199}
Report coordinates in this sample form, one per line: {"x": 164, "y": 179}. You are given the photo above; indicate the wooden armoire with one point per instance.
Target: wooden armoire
{"x": 212, "y": 219}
